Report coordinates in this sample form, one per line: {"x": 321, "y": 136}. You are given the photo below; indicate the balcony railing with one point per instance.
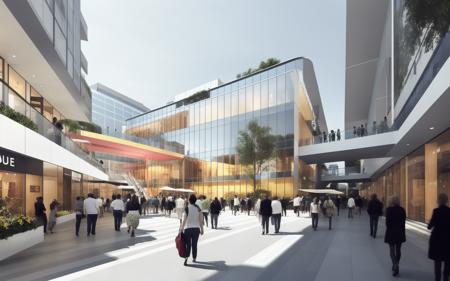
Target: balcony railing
{"x": 357, "y": 132}
{"x": 42, "y": 125}
{"x": 343, "y": 171}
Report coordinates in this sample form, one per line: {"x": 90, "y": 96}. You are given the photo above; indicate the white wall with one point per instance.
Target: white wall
{"x": 20, "y": 139}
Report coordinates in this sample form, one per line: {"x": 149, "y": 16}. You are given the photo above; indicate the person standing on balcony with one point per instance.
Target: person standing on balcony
{"x": 375, "y": 210}
{"x": 91, "y": 210}
{"x": 439, "y": 249}
{"x": 118, "y": 207}
{"x": 39, "y": 212}
{"x": 395, "y": 232}
{"x": 338, "y": 134}
{"x": 374, "y": 128}
{"x": 324, "y": 135}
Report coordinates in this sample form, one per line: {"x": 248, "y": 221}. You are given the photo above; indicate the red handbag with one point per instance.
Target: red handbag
{"x": 181, "y": 245}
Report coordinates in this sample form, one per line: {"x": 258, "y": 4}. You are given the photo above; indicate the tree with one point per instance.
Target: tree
{"x": 255, "y": 146}
{"x": 262, "y": 65}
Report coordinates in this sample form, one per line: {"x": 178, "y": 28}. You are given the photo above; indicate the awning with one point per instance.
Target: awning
{"x": 94, "y": 142}
{"x": 166, "y": 188}
{"x": 322, "y": 191}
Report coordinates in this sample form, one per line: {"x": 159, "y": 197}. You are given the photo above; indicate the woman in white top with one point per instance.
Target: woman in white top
{"x": 193, "y": 227}
{"x": 315, "y": 213}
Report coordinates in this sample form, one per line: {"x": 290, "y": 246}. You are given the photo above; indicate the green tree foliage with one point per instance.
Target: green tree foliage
{"x": 430, "y": 16}
{"x": 262, "y": 65}
{"x": 255, "y": 146}
{"x": 75, "y": 125}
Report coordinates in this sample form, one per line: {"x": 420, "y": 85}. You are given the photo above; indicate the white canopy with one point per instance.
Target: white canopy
{"x": 167, "y": 188}
{"x": 184, "y": 190}
{"x": 323, "y": 191}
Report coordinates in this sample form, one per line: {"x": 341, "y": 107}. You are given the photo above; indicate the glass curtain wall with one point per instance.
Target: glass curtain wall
{"x": 207, "y": 133}
{"x": 417, "y": 179}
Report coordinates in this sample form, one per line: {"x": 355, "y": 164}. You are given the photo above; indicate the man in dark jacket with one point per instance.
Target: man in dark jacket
{"x": 375, "y": 210}
{"x": 215, "y": 209}
{"x": 265, "y": 210}
{"x": 39, "y": 212}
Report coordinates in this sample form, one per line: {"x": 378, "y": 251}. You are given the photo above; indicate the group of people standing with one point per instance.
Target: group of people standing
{"x": 40, "y": 213}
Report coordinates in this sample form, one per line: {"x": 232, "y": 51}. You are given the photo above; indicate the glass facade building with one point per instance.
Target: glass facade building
{"x": 284, "y": 98}
{"x": 110, "y": 109}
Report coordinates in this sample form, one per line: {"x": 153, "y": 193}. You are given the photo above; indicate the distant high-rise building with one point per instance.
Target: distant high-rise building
{"x": 110, "y": 109}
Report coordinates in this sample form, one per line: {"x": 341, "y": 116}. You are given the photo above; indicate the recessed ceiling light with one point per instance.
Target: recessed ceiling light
{"x": 431, "y": 128}
{"x": 13, "y": 56}
{"x": 408, "y": 144}
{"x": 34, "y": 75}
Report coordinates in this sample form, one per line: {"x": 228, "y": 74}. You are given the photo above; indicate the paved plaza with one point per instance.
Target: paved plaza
{"x": 234, "y": 250}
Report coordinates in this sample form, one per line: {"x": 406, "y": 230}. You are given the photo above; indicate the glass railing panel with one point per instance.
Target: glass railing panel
{"x": 44, "y": 127}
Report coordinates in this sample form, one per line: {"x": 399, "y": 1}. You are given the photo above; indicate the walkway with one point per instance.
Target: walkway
{"x": 235, "y": 250}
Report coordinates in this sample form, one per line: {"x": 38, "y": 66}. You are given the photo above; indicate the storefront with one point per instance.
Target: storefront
{"x": 417, "y": 179}
{"x": 21, "y": 181}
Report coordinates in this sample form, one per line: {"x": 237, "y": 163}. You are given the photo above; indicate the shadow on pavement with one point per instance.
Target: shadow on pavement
{"x": 210, "y": 265}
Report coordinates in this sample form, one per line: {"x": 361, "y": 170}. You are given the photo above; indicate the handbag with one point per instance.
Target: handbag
{"x": 181, "y": 245}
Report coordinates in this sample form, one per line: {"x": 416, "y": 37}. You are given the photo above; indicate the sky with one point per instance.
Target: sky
{"x": 152, "y": 50}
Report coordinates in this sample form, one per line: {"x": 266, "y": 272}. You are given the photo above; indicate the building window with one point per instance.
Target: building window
{"x": 16, "y": 82}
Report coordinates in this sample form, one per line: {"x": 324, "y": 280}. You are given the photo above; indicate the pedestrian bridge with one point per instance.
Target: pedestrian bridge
{"x": 373, "y": 146}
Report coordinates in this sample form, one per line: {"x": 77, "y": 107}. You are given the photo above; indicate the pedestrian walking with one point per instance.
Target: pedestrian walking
{"x": 118, "y": 208}
{"x": 100, "y": 205}
{"x": 170, "y": 204}
{"x": 395, "y": 232}
{"x": 78, "y": 208}
{"x": 243, "y": 205}
{"x": 52, "y": 217}
{"x": 439, "y": 249}
{"x": 314, "y": 209}
{"x": 215, "y": 209}
{"x": 330, "y": 210}
{"x": 375, "y": 210}
{"x": 223, "y": 203}
{"x": 91, "y": 209}
{"x": 193, "y": 226}
{"x": 257, "y": 207}
{"x": 163, "y": 205}
{"x": 133, "y": 212}
{"x": 40, "y": 212}
{"x": 249, "y": 205}
{"x": 284, "y": 204}
{"x": 179, "y": 208}
{"x": 296, "y": 203}
{"x": 351, "y": 206}
{"x": 358, "y": 204}
{"x": 144, "y": 205}
{"x": 236, "y": 204}
{"x": 277, "y": 210}
{"x": 338, "y": 204}
{"x": 265, "y": 210}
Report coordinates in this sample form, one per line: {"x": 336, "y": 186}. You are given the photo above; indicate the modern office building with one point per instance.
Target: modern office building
{"x": 41, "y": 77}
{"x": 110, "y": 109}
{"x": 398, "y": 90}
{"x": 203, "y": 129}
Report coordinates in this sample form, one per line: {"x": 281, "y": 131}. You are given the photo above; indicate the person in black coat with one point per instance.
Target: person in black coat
{"x": 395, "y": 232}
{"x": 439, "y": 249}
{"x": 39, "y": 212}
{"x": 375, "y": 210}
{"x": 215, "y": 207}
{"x": 265, "y": 210}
